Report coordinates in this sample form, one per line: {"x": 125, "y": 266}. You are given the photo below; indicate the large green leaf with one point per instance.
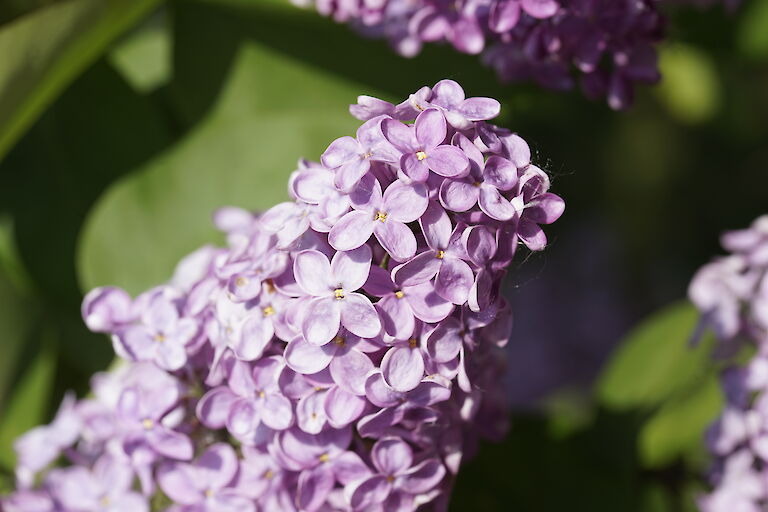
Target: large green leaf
{"x": 271, "y": 111}
{"x": 655, "y": 360}
{"x": 678, "y": 426}
{"x": 45, "y": 50}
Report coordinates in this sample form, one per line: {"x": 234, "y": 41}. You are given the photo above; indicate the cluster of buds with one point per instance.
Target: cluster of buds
{"x": 732, "y": 295}
{"x": 342, "y": 353}
{"x": 609, "y": 44}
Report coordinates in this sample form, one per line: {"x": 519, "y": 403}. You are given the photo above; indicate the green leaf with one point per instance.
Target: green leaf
{"x": 271, "y": 111}
{"x": 691, "y": 88}
{"x": 752, "y": 35}
{"x": 678, "y": 426}
{"x": 45, "y": 50}
{"x": 29, "y": 403}
{"x": 655, "y": 360}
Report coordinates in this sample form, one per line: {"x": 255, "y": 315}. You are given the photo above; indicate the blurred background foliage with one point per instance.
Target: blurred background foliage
{"x": 125, "y": 123}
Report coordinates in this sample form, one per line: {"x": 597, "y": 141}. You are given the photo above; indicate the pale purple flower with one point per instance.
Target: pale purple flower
{"x": 422, "y": 147}
{"x": 333, "y": 286}
{"x": 385, "y": 216}
{"x": 395, "y": 472}
{"x": 206, "y": 484}
{"x": 460, "y": 111}
{"x": 162, "y": 334}
{"x": 445, "y": 260}
{"x": 350, "y": 158}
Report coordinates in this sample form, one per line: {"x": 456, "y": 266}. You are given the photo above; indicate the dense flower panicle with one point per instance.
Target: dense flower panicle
{"x": 342, "y": 353}
{"x": 606, "y": 46}
{"x": 732, "y": 295}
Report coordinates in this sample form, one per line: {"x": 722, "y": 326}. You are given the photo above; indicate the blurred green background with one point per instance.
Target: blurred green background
{"x": 125, "y": 123}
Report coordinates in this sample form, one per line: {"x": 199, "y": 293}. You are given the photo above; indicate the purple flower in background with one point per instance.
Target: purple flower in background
{"x": 731, "y": 294}
{"x": 308, "y": 365}
{"x": 106, "y": 488}
{"x": 333, "y": 286}
{"x": 610, "y": 46}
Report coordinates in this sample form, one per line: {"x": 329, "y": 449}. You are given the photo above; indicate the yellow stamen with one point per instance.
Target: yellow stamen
{"x": 269, "y": 474}
{"x": 339, "y": 341}
{"x": 421, "y": 155}
{"x": 314, "y": 415}
{"x": 270, "y": 286}
{"x": 104, "y": 501}
{"x": 159, "y": 338}
{"x": 241, "y": 281}
{"x": 324, "y": 458}
{"x": 399, "y": 294}
{"x": 477, "y": 184}
{"x": 318, "y": 388}
{"x": 339, "y": 293}
{"x": 262, "y": 394}
{"x": 381, "y": 216}
{"x": 440, "y": 255}
{"x": 413, "y": 342}
{"x": 367, "y": 155}
{"x": 147, "y": 423}
{"x": 390, "y": 478}
{"x": 269, "y": 310}
{"x": 209, "y": 493}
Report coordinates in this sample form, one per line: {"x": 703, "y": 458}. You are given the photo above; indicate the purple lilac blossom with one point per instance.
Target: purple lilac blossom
{"x": 605, "y": 46}
{"x": 344, "y": 350}
{"x": 731, "y": 293}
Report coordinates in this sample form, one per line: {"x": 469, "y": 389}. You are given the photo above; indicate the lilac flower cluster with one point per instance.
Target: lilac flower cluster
{"x": 610, "y": 44}
{"x": 342, "y": 353}
{"x": 732, "y": 295}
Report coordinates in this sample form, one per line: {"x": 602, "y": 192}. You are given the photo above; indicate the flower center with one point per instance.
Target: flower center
{"x": 261, "y": 394}
{"x": 476, "y": 184}
{"x": 339, "y": 341}
{"x": 104, "y": 501}
{"x": 241, "y": 281}
{"x": 159, "y": 337}
{"x": 147, "y": 424}
{"x": 269, "y": 474}
{"x": 209, "y": 493}
{"x": 421, "y": 155}
{"x": 382, "y": 216}
{"x": 390, "y": 478}
{"x": 413, "y": 342}
{"x": 270, "y": 286}
{"x": 338, "y": 293}
{"x": 269, "y": 310}
{"x": 440, "y": 254}
{"x": 367, "y": 155}
{"x": 324, "y": 458}
{"x": 399, "y": 294}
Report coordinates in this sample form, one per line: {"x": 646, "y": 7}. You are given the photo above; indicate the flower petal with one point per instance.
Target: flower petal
{"x": 494, "y": 204}
{"x": 342, "y": 407}
{"x": 350, "y": 268}
{"x": 349, "y": 174}
{"x": 500, "y": 173}
{"x": 340, "y": 151}
{"x": 321, "y": 320}
{"x": 423, "y": 477}
{"x": 448, "y": 161}
{"x": 277, "y": 412}
{"x": 454, "y": 281}
{"x": 431, "y": 129}
{"x": 313, "y": 273}
{"x": 213, "y": 408}
{"x": 396, "y": 238}
{"x": 404, "y": 202}
{"x": 359, "y": 316}
{"x": 396, "y": 315}
{"x": 391, "y": 456}
{"x": 418, "y": 270}
{"x": 400, "y": 135}
{"x": 351, "y": 231}
{"x": 349, "y": 371}
{"x": 480, "y": 109}
{"x": 306, "y": 358}
{"x": 402, "y": 368}
{"x": 458, "y": 195}
{"x": 426, "y": 304}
